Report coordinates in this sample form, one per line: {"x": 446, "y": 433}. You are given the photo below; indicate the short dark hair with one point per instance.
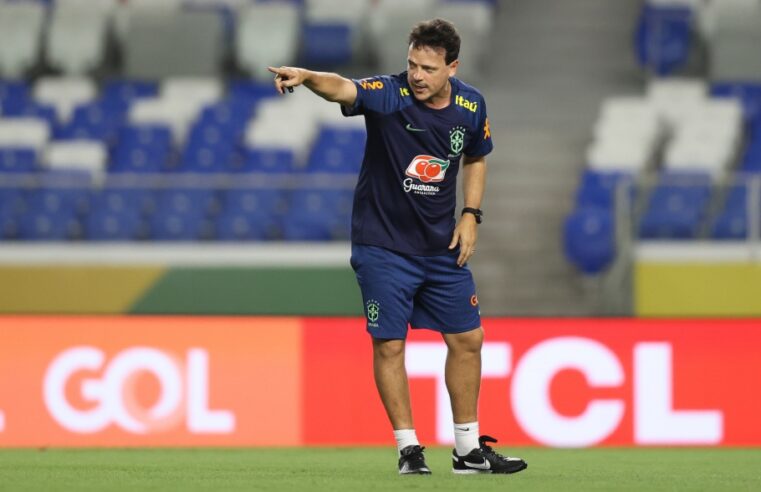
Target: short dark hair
{"x": 437, "y": 33}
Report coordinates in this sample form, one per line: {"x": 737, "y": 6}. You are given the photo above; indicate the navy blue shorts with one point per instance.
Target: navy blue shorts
{"x": 423, "y": 291}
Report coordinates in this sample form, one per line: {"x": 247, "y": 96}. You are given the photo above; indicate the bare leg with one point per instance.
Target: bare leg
{"x": 391, "y": 380}
{"x": 463, "y": 373}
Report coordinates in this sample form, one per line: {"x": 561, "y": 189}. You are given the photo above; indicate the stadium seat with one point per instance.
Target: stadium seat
{"x": 318, "y": 215}
{"x": 64, "y": 93}
{"x": 267, "y": 35}
{"x": 206, "y": 157}
{"x": 589, "y": 240}
{"x": 390, "y": 23}
{"x": 48, "y": 226}
{"x": 267, "y": 160}
{"x": 663, "y": 38}
{"x": 21, "y": 26}
{"x": 327, "y": 44}
{"x": 174, "y": 226}
{"x": 14, "y": 95}
{"x": 76, "y": 37}
{"x": 195, "y": 202}
{"x": 677, "y": 207}
{"x": 145, "y": 148}
{"x": 337, "y": 151}
{"x": 17, "y": 160}
{"x": 474, "y": 21}
{"x": 732, "y": 221}
{"x": 108, "y": 225}
{"x": 84, "y": 155}
{"x": 94, "y": 121}
{"x": 31, "y": 133}
{"x": 124, "y": 92}
{"x": 598, "y": 189}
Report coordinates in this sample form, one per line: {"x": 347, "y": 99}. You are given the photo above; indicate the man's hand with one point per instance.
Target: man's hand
{"x": 466, "y": 235}
{"x": 288, "y": 77}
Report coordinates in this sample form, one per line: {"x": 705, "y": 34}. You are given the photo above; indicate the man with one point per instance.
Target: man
{"x": 408, "y": 251}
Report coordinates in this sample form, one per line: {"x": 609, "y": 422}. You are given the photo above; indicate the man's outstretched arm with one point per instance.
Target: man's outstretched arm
{"x": 329, "y": 86}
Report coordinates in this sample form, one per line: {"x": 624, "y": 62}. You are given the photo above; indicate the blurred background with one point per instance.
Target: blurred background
{"x": 148, "y": 166}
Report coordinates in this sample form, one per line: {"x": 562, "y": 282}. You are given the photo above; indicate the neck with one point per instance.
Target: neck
{"x": 441, "y": 99}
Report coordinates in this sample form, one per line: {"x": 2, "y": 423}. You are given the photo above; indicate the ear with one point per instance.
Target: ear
{"x": 453, "y": 68}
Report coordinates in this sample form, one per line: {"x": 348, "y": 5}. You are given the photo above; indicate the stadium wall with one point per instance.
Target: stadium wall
{"x": 697, "y": 280}
{"x": 311, "y": 280}
{"x": 104, "y": 381}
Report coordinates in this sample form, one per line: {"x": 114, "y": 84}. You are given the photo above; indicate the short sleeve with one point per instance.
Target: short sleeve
{"x": 374, "y": 94}
{"x": 481, "y": 144}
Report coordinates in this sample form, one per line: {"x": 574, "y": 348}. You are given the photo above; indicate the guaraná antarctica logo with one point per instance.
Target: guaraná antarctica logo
{"x": 373, "y": 311}
{"x": 428, "y": 169}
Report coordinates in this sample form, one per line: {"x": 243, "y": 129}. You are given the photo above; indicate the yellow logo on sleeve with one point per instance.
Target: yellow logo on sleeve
{"x": 461, "y": 101}
{"x": 371, "y": 85}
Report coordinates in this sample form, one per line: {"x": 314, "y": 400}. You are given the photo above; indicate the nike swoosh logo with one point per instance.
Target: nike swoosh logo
{"x": 464, "y": 429}
{"x": 410, "y": 128}
{"x": 479, "y": 466}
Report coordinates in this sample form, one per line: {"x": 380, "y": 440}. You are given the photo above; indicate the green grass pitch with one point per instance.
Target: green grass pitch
{"x": 362, "y": 469}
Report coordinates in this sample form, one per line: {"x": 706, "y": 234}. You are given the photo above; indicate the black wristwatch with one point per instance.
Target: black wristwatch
{"x": 475, "y": 211}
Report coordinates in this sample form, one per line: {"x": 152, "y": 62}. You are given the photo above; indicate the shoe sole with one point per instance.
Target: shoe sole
{"x": 473, "y": 471}
{"x": 416, "y": 472}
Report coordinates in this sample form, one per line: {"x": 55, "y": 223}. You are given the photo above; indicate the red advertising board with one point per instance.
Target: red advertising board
{"x": 226, "y": 381}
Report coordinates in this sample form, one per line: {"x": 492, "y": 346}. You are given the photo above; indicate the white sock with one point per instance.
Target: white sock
{"x": 404, "y": 438}
{"x": 466, "y": 437}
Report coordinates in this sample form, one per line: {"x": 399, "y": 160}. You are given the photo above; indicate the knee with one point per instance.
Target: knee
{"x": 468, "y": 342}
{"x": 388, "y": 349}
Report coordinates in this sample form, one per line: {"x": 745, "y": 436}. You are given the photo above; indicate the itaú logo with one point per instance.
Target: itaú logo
{"x": 113, "y": 398}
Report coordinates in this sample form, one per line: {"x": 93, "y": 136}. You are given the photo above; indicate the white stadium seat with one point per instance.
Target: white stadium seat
{"x": 31, "y": 133}
{"x": 65, "y": 93}
{"x": 20, "y": 37}
{"x": 267, "y": 35}
{"x": 81, "y": 155}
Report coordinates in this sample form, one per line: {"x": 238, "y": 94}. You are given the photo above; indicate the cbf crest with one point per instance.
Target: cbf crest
{"x": 456, "y": 139}
{"x": 373, "y": 312}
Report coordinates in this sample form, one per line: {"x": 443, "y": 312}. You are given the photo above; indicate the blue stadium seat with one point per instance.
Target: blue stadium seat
{"x": 663, "y": 38}
{"x": 167, "y": 225}
{"x": 12, "y": 204}
{"x": 677, "y": 208}
{"x": 64, "y": 201}
{"x": 227, "y": 114}
{"x": 598, "y": 188}
{"x": 109, "y": 225}
{"x": 589, "y": 240}
{"x": 37, "y": 110}
{"x": 14, "y": 96}
{"x": 266, "y": 161}
{"x": 318, "y": 215}
{"x": 240, "y": 226}
{"x": 142, "y": 149}
{"x": 41, "y": 225}
{"x": 120, "y": 200}
{"x": 123, "y": 92}
{"x": 337, "y": 150}
{"x": 730, "y": 225}
{"x": 253, "y": 202}
{"x": 748, "y": 93}
{"x": 94, "y": 121}
{"x": 248, "y": 92}
{"x": 207, "y": 158}
{"x": 17, "y": 160}
{"x": 326, "y": 44}
{"x": 193, "y": 202}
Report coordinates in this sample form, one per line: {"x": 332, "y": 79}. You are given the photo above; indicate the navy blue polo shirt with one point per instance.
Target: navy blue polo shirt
{"x": 406, "y": 193}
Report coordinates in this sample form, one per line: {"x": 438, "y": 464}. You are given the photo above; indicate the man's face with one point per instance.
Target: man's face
{"x": 427, "y": 71}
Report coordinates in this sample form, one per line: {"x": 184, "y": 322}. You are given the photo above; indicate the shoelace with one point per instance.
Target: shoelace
{"x": 488, "y": 449}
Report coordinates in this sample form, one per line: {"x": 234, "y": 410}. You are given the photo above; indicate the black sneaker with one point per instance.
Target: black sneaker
{"x": 412, "y": 461}
{"x": 485, "y": 460}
